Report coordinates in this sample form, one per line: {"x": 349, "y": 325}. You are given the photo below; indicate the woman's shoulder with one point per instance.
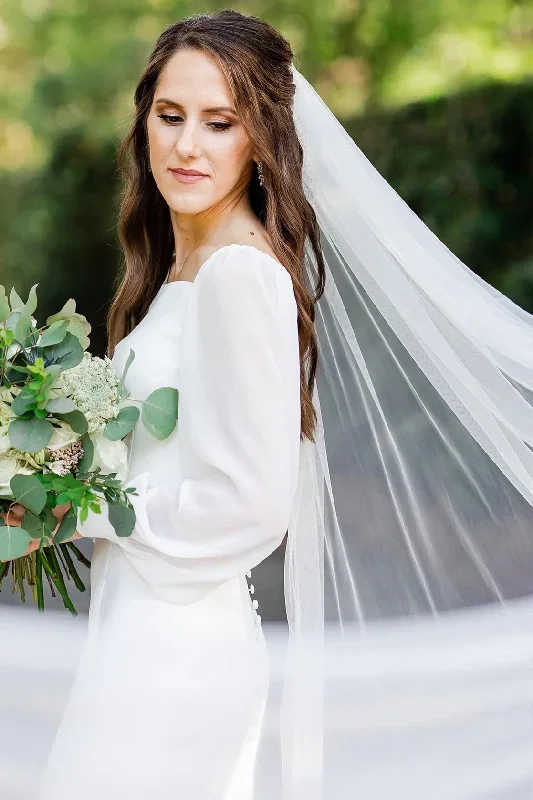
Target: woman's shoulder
{"x": 243, "y": 263}
{"x": 240, "y": 280}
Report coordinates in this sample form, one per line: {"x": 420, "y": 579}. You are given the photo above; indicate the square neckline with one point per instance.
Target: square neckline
{"x": 220, "y": 249}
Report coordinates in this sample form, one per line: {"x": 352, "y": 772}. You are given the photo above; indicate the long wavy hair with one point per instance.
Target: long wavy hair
{"x": 256, "y": 62}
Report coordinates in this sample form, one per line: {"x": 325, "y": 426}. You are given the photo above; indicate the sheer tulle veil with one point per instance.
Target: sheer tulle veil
{"x": 416, "y": 499}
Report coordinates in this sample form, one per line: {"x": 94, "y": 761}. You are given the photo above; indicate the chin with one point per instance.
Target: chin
{"x": 188, "y": 205}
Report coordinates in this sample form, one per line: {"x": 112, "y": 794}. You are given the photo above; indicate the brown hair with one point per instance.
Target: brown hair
{"x": 256, "y": 62}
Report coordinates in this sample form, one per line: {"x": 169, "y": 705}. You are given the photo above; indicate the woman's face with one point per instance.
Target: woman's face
{"x": 185, "y": 131}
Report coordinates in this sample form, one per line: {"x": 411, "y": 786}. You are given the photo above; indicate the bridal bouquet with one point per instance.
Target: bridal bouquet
{"x": 63, "y": 417}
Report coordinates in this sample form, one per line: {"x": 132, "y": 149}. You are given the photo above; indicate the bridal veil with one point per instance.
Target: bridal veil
{"x": 414, "y": 507}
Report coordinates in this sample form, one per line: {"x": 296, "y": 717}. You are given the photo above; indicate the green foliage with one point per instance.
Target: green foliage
{"x": 30, "y": 435}
{"x": 517, "y": 283}
{"x": 29, "y": 492}
{"x": 76, "y": 420}
{"x": 463, "y": 164}
{"x": 55, "y": 333}
{"x": 121, "y": 388}
{"x": 122, "y": 424}
{"x": 160, "y": 412}
{"x": 67, "y": 529}
{"x": 31, "y": 360}
{"x": 68, "y": 352}
{"x": 13, "y": 542}
{"x": 88, "y": 453}
{"x": 122, "y": 518}
{"x": 460, "y": 161}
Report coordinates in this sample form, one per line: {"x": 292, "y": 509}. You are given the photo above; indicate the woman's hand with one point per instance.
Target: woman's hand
{"x": 16, "y": 512}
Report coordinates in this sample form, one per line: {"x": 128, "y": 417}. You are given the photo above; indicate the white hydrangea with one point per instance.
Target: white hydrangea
{"x": 92, "y": 386}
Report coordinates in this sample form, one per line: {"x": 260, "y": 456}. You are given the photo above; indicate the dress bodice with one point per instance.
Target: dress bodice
{"x": 156, "y": 343}
{"x": 215, "y": 498}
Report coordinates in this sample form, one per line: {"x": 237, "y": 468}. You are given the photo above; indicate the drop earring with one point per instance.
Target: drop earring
{"x": 148, "y": 158}
{"x": 260, "y": 172}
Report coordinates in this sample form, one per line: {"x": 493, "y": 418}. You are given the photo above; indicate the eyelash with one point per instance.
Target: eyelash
{"x": 218, "y": 127}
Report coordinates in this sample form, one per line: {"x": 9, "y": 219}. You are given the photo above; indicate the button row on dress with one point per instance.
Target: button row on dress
{"x": 255, "y": 604}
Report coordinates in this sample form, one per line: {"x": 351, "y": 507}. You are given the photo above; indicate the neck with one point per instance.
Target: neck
{"x": 210, "y": 227}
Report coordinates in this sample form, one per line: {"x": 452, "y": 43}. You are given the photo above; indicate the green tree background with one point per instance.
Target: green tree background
{"x": 437, "y": 95}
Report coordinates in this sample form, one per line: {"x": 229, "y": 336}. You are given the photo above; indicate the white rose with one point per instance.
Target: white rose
{"x": 8, "y": 468}
{"x": 57, "y": 468}
{"x": 62, "y": 437}
{"x": 110, "y": 456}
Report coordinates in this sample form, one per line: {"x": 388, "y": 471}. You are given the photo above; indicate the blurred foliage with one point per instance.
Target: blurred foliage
{"x": 435, "y": 94}
{"x": 464, "y": 164}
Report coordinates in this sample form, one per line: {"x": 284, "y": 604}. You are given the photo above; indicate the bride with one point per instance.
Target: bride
{"x": 343, "y": 377}
{"x": 169, "y": 697}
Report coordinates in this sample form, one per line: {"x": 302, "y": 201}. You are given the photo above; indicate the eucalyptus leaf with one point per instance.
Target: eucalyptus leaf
{"x": 68, "y": 352}
{"x": 78, "y": 325}
{"x": 24, "y": 400}
{"x": 31, "y": 302}
{"x": 12, "y": 319}
{"x": 77, "y": 421}
{"x": 49, "y": 521}
{"x": 122, "y": 518}
{"x": 53, "y": 371}
{"x": 4, "y": 305}
{"x": 67, "y": 311}
{"x": 17, "y": 368}
{"x": 122, "y": 424}
{"x": 39, "y": 525}
{"x": 14, "y": 542}
{"x": 54, "y": 334}
{"x": 67, "y": 528}
{"x": 88, "y": 454}
{"x": 17, "y": 303}
{"x": 33, "y": 524}
{"x": 160, "y": 412}
{"x": 23, "y": 329}
{"x": 30, "y": 435}
{"x": 61, "y": 405}
{"x": 29, "y": 492}
{"x": 120, "y": 388}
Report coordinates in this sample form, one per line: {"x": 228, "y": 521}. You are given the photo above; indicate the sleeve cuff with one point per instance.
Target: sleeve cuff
{"x": 97, "y": 526}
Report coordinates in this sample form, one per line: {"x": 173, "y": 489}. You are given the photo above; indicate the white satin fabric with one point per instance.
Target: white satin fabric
{"x": 169, "y": 697}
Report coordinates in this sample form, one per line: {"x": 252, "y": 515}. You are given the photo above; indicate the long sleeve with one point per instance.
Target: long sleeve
{"x": 238, "y": 434}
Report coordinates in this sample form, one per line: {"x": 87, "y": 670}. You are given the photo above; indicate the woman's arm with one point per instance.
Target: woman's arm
{"x": 238, "y": 433}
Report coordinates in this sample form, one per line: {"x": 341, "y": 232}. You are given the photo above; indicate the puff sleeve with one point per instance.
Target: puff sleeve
{"x": 239, "y": 434}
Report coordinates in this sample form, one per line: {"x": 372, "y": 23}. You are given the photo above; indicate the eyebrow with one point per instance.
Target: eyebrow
{"x": 207, "y": 110}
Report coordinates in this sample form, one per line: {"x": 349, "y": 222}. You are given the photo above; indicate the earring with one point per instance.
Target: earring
{"x": 148, "y": 158}
{"x": 260, "y": 172}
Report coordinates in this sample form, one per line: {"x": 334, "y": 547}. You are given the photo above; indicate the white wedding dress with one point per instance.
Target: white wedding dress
{"x": 169, "y": 697}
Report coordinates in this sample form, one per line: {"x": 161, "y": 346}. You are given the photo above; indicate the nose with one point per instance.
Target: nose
{"x": 187, "y": 140}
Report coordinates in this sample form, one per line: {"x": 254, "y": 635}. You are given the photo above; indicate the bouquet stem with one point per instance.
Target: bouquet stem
{"x": 39, "y": 581}
{"x": 53, "y": 562}
{"x": 79, "y": 555}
